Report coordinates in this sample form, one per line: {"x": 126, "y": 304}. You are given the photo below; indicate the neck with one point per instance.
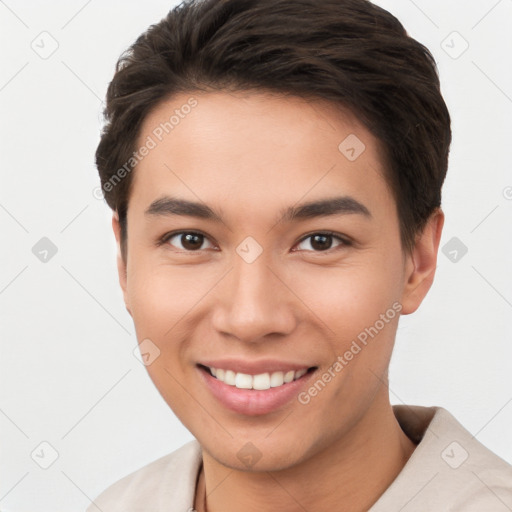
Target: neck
{"x": 355, "y": 471}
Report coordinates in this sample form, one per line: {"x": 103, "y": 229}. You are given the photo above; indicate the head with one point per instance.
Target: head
{"x": 313, "y": 139}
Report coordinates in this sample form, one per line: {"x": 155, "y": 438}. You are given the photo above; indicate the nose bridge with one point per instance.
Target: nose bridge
{"x": 252, "y": 283}
{"x": 253, "y": 302}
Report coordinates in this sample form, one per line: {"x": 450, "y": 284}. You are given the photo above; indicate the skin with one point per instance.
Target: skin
{"x": 248, "y": 155}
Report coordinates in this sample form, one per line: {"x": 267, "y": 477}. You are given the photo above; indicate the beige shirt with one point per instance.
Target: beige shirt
{"x": 448, "y": 471}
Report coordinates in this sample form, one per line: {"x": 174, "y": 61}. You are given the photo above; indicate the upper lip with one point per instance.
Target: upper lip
{"x": 255, "y": 367}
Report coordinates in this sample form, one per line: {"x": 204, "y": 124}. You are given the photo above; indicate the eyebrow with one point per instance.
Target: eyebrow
{"x": 343, "y": 205}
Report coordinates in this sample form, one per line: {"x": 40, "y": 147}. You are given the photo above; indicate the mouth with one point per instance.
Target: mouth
{"x": 259, "y": 382}
{"x": 254, "y": 394}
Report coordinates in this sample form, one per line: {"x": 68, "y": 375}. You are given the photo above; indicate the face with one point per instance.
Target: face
{"x": 264, "y": 241}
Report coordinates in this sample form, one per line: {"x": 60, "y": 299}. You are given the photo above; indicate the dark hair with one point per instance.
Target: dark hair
{"x": 350, "y": 52}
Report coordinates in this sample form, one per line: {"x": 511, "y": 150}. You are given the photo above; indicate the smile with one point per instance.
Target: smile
{"x": 259, "y": 382}
{"x": 253, "y": 391}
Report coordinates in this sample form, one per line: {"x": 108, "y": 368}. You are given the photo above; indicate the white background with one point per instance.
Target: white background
{"x": 68, "y": 375}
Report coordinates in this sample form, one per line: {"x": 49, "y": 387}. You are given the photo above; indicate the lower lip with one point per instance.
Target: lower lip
{"x": 252, "y": 402}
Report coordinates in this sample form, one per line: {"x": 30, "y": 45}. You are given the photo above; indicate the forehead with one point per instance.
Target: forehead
{"x": 251, "y": 149}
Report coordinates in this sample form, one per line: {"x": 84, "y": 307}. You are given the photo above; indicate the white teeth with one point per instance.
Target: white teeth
{"x": 288, "y": 376}
{"x": 230, "y": 377}
{"x": 300, "y": 373}
{"x": 243, "y": 381}
{"x": 276, "y": 379}
{"x": 261, "y": 381}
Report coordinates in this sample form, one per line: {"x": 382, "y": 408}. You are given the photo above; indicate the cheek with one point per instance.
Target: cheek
{"x": 349, "y": 298}
{"x": 169, "y": 306}
{"x": 357, "y": 305}
{"x": 359, "y": 311}
{"x": 160, "y": 296}
{"x": 160, "y": 299}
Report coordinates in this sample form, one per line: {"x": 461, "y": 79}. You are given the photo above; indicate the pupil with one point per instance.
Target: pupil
{"x": 321, "y": 242}
{"x": 191, "y": 241}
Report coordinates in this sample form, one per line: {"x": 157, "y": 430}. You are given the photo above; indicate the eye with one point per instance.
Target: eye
{"x": 321, "y": 242}
{"x": 189, "y": 240}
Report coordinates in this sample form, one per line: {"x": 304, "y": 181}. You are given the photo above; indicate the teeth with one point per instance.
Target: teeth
{"x": 229, "y": 378}
{"x": 288, "y": 376}
{"x": 276, "y": 379}
{"x": 243, "y": 381}
{"x": 261, "y": 381}
{"x": 300, "y": 373}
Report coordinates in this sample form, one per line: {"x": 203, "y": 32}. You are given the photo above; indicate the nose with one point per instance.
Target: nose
{"x": 253, "y": 303}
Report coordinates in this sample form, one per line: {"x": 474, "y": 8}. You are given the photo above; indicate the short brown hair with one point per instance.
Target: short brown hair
{"x": 350, "y": 52}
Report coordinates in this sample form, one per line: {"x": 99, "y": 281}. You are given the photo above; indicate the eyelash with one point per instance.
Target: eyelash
{"x": 344, "y": 242}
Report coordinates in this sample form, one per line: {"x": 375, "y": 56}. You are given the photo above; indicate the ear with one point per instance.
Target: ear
{"x": 121, "y": 264}
{"x": 421, "y": 263}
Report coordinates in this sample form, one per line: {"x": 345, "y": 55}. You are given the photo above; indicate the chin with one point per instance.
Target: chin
{"x": 256, "y": 456}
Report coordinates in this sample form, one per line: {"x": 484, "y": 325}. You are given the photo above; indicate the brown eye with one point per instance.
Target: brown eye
{"x": 187, "y": 241}
{"x": 319, "y": 242}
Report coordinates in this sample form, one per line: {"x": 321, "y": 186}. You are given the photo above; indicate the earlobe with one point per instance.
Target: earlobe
{"x": 121, "y": 263}
{"x": 422, "y": 263}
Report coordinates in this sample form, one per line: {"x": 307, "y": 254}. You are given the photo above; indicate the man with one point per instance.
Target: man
{"x": 275, "y": 171}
